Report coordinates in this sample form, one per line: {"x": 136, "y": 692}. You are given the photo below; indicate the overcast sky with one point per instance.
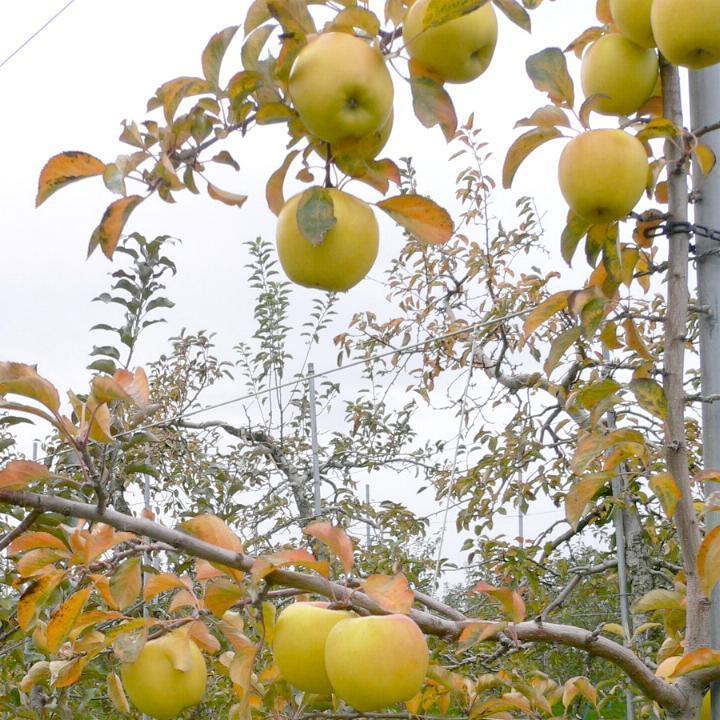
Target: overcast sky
{"x": 97, "y": 64}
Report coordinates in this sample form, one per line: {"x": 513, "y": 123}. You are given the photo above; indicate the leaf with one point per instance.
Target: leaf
{"x": 511, "y": 602}
{"x": 293, "y": 15}
{"x": 253, "y": 45}
{"x": 634, "y": 340}
{"x": 214, "y": 53}
{"x": 658, "y": 128}
{"x": 478, "y": 632}
{"x": 515, "y": 13}
{"x": 708, "y": 561}
{"x": 559, "y": 347}
{"x": 157, "y": 584}
{"x": 20, "y": 379}
{"x": 420, "y": 216}
{"x": 668, "y": 493}
{"x": 34, "y": 540}
{"x": 590, "y": 445}
{"x": 35, "y": 561}
{"x": 700, "y": 659}
{"x": 335, "y": 539}
{"x": 433, "y": 106}
{"x": 20, "y": 473}
{"x": 213, "y": 530}
{"x": 442, "y": 11}
{"x": 126, "y": 582}
{"x": 705, "y": 158}
{"x": 106, "y": 389}
{"x": 549, "y": 73}
{"x": 522, "y": 147}
{"x": 548, "y": 116}
{"x": 579, "y": 686}
{"x": 221, "y": 595}
{"x": 265, "y": 564}
{"x": 650, "y": 396}
{"x": 315, "y": 214}
{"x": 173, "y": 92}
{"x": 274, "y": 188}
{"x": 107, "y": 233}
{"x": 551, "y": 306}
{"x": 34, "y": 594}
{"x": 117, "y": 694}
{"x": 64, "y": 619}
{"x": 357, "y": 17}
{"x": 658, "y": 599}
{"x": 391, "y": 593}
{"x": 225, "y": 197}
{"x": 274, "y": 112}
{"x": 65, "y": 168}
{"x": 71, "y": 671}
{"x": 580, "y": 494}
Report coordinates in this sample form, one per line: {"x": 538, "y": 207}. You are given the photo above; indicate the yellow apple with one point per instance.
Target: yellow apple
{"x": 458, "y": 50}
{"x": 603, "y": 174}
{"x": 633, "y": 20}
{"x": 299, "y": 644}
{"x": 341, "y": 87}
{"x": 626, "y": 73}
{"x": 687, "y": 32}
{"x": 375, "y": 662}
{"x": 168, "y": 676}
{"x": 345, "y": 255}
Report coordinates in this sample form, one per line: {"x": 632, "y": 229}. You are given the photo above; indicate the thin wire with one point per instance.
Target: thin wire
{"x": 451, "y": 482}
{"x": 36, "y": 33}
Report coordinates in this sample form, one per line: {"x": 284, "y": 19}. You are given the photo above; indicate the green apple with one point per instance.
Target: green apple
{"x": 375, "y": 662}
{"x": 168, "y": 676}
{"x": 687, "y": 31}
{"x": 299, "y": 644}
{"x": 341, "y": 87}
{"x": 618, "y": 68}
{"x": 603, "y": 174}
{"x": 633, "y": 20}
{"x": 459, "y": 50}
{"x": 345, "y": 255}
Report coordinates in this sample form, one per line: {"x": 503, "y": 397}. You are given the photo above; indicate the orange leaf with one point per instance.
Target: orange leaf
{"x": 117, "y": 694}
{"x": 182, "y": 599}
{"x": 549, "y": 307}
{"x": 156, "y": 584}
{"x": 581, "y": 493}
{"x": 64, "y": 619}
{"x": 20, "y": 379}
{"x": 589, "y": 446}
{"x": 65, "y": 168}
{"x": 106, "y": 389}
{"x": 697, "y": 660}
{"x": 226, "y": 197}
{"x": 213, "y": 530}
{"x": 34, "y": 540}
{"x": 201, "y": 636}
{"x": 71, "y": 672}
{"x": 265, "y": 564}
{"x": 420, "y": 216}
{"x": 31, "y": 563}
{"x": 107, "y": 233}
{"x": 34, "y": 594}
{"x": 708, "y": 561}
{"x": 101, "y": 539}
{"x": 274, "y": 189}
{"x": 511, "y": 602}
{"x": 392, "y": 594}
{"x": 221, "y": 595}
{"x": 126, "y": 582}
{"x": 20, "y": 473}
{"x": 478, "y": 632}
{"x": 336, "y": 539}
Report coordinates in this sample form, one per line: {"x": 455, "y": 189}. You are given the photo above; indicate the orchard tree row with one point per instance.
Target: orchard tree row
{"x": 585, "y": 398}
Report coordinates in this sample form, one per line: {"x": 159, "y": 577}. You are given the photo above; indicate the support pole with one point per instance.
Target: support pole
{"x": 314, "y": 439}
{"x": 705, "y": 111}
{"x": 367, "y": 525}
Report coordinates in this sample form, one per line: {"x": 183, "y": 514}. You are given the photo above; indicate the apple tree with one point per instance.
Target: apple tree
{"x": 597, "y": 406}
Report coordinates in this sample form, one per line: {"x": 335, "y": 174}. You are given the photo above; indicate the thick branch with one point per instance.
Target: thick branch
{"x": 658, "y": 690}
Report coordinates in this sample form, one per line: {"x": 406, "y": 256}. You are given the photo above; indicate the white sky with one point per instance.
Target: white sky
{"x": 97, "y": 64}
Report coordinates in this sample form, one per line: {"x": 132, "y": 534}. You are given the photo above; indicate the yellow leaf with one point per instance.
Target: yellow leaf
{"x": 19, "y": 379}
{"x": 126, "y": 582}
{"x": 274, "y": 188}
{"x": 34, "y": 594}
{"x": 705, "y": 159}
{"x": 34, "y": 540}
{"x": 512, "y": 604}
{"x": 580, "y": 494}
{"x": 214, "y": 53}
{"x": 63, "y": 169}
{"x": 590, "y": 445}
{"x": 634, "y": 340}
{"x": 64, "y": 619}
{"x": 522, "y": 147}
{"x": 117, "y": 694}
{"x": 697, "y": 660}
{"x": 35, "y": 561}
{"x": 392, "y": 594}
{"x": 650, "y": 396}
{"x": 156, "y": 584}
{"x": 551, "y": 306}
{"x": 433, "y": 106}
{"x": 336, "y": 540}
{"x": 548, "y": 72}
{"x": 420, "y": 216}
{"x": 708, "y": 561}
{"x": 225, "y": 197}
{"x": 107, "y": 233}
{"x": 659, "y": 599}
{"x": 442, "y": 11}
{"x": 667, "y": 492}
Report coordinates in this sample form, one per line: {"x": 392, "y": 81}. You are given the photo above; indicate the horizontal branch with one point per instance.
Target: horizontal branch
{"x": 667, "y": 695}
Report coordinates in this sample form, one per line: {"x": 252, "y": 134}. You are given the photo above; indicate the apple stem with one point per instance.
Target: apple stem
{"x": 328, "y": 163}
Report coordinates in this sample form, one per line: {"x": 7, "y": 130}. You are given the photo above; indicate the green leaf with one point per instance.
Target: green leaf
{"x": 515, "y": 13}
{"x": 433, "y": 106}
{"x": 65, "y": 168}
{"x": 650, "y": 396}
{"x": 549, "y": 73}
{"x": 522, "y": 147}
{"x": 214, "y": 53}
{"x": 574, "y": 231}
{"x": 559, "y": 347}
{"x": 315, "y": 214}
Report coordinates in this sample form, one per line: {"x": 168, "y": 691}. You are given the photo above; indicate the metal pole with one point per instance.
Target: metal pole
{"x": 521, "y": 532}
{"x": 313, "y": 437}
{"x": 705, "y": 110}
{"x": 367, "y": 525}
{"x": 618, "y": 487}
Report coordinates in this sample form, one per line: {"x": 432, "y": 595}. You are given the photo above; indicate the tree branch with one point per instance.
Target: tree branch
{"x": 24, "y": 525}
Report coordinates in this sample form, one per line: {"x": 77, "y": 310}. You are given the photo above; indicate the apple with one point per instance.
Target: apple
{"x": 687, "y": 31}
{"x": 374, "y": 662}
{"x": 299, "y": 644}
{"x": 603, "y": 174}
{"x": 345, "y": 255}
{"x": 168, "y": 676}
{"x": 341, "y": 87}
{"x": 633, "y": 20}
{"x": 617, "y": 67}
{"x": 459, "y": 50}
